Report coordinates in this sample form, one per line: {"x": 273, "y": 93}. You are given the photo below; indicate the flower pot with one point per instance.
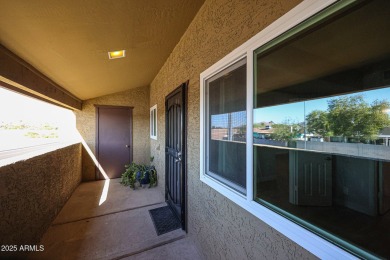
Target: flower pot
{"x": 144, "y": 180}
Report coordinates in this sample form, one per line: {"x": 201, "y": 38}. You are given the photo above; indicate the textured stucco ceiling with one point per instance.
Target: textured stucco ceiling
{"x": 68, "y": 40}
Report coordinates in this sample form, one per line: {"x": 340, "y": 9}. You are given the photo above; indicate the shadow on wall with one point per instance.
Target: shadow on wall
{"x": 88, "y": 166}
{"x": 32, "y": 193}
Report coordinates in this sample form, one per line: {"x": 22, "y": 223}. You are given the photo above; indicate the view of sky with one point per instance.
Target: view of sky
{"x": 17, "y": 109}
{"x": 295, "y": 112}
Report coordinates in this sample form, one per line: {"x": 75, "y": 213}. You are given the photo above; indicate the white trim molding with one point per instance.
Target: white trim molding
{"x": 153, "y": 122}
{"x": 303, "y": 237}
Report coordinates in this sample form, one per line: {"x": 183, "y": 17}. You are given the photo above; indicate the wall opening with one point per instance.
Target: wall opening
{"x": 28, "y": 124}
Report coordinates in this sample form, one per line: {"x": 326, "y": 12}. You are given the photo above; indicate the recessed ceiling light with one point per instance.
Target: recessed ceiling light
{"x": 116, "y": 54}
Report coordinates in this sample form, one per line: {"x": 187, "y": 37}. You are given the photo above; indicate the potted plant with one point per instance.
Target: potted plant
{"x": 143, "y": 174}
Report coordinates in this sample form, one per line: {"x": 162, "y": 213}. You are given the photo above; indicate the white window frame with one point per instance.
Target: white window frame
{"x": 240, "y": 190}
{"x": 303, "y": 237}
{"x": 152, "y": 120}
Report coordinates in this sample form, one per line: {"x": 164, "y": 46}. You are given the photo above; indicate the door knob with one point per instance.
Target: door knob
{"x": 127, "y": 145}
{"x": 178, "y": 158}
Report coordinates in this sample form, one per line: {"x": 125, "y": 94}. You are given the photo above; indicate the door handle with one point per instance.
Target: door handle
{"x": 127, "y": 145}
{"x": 178, "y": 159}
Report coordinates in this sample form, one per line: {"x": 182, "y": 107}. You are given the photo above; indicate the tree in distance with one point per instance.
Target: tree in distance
{"x": 350, "y": 116}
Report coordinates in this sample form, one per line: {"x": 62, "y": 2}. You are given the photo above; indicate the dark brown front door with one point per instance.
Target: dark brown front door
{"x": 114, "y": 139}
{"x": 175, "y": 151}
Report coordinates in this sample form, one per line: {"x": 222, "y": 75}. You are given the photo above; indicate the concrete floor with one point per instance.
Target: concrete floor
{"x": 120, "y": 227}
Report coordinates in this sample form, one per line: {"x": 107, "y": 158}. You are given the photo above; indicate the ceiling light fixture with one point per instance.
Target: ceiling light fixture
{"x": 116, "y": 54}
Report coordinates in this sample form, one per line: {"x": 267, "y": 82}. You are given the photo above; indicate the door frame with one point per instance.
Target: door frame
{"x": 97, "y": 107}
{"x": 184, "y": 211}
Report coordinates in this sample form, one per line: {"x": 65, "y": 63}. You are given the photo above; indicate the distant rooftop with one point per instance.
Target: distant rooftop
{"x": 385, "y": 131}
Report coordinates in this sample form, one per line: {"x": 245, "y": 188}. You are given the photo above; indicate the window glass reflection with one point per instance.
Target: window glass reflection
{"x": 327, "y": 161}
{"x": 226, "y": 128}
{"x": 229, "y": 127}
{"x": 321, "y": 126}
{"x": 279, "y": 125}
{"x": 355, "y": 124}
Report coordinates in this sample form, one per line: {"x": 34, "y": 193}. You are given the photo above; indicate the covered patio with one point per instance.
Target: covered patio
{"x": 118, "y": 228}
{"x": 199, "y": 90}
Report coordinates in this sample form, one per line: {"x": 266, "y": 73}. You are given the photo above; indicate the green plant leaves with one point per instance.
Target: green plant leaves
{"x": 129, "y": 177}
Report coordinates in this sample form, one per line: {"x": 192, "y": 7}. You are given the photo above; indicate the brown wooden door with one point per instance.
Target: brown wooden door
{"x": 114, "y": 139}
{"x": 175, "y": 151}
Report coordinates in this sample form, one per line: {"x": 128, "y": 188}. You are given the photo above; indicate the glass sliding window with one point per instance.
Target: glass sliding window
{"x": 153, "y": 122}
{"x": 226, "y": 126}
{"x": 321, "y": 127}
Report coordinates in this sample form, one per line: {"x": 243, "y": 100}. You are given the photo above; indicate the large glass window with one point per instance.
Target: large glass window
{"x": 321, "y": 127}
{"x": 226, "y": 126}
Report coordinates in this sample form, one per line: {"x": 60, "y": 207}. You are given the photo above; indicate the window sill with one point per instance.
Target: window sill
{"x": 303, "y": 237}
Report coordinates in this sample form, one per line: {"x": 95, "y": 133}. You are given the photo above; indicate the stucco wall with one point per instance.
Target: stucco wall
{"x": 33, "y": 191}
{"x": 86, "y": 125}
{"x": 221, "y": 229}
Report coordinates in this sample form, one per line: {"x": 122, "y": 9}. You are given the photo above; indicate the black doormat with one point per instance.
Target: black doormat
{"x": 164, "y": 220}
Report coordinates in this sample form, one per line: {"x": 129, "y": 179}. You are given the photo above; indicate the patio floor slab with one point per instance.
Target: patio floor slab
{"x": 121, "y": 227}
{"x": 84, "y": 202}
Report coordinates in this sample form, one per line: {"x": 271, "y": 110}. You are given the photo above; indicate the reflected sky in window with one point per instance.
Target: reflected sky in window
{"x": 295, "y": 112}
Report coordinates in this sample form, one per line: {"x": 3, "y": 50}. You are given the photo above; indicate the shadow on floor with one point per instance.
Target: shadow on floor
{"x": 121, "y": 227}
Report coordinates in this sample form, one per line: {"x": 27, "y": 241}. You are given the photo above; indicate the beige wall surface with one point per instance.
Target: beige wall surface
{"x": 221, "y": 229}
{"x": 32, "y": 192}
{"x": 86, "y": 125}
